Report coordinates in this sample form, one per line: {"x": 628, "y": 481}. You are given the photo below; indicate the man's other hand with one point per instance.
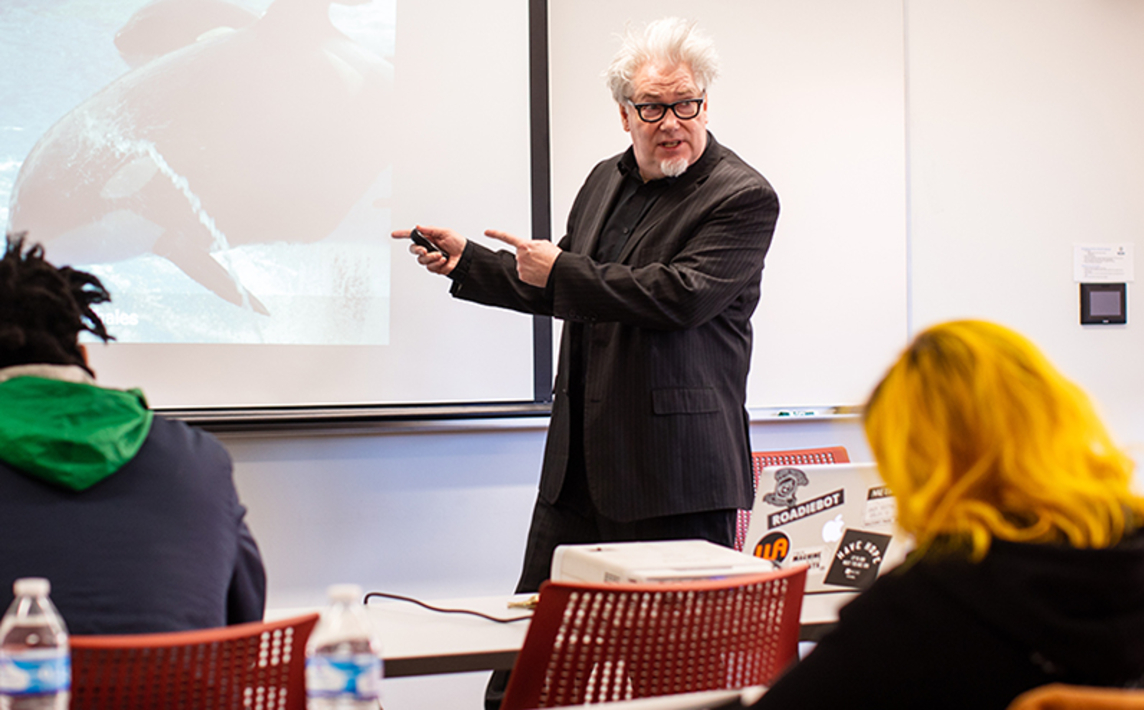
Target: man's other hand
{"x": 534, "y": 257}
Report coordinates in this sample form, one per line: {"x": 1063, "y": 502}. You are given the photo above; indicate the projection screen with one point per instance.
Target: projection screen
{"x": 232, "y": 169}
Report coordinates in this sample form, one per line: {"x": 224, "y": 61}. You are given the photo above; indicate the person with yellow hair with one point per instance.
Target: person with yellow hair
{"x": 1029, "y": 559}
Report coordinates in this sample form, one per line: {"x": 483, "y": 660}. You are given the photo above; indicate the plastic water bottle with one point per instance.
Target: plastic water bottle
{"x": 343, "y": 656}
{"x": 35, "y": 663}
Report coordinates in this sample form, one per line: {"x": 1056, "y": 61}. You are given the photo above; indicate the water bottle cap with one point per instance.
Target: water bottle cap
{"x": 344, "y": 592}
{"x": 32, "y": 587}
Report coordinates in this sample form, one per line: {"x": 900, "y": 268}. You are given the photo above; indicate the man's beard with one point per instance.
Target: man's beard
{"x": 673, "y": 167}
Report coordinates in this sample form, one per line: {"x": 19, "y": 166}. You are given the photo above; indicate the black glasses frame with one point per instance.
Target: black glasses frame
{"x": 674, "y": 106}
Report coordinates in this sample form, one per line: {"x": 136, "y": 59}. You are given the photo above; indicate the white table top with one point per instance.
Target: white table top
{"x": 418, "y": 641}
{"x": 704, "y": 700}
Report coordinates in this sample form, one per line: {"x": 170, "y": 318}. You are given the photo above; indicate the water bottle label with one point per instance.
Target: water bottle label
{"x": 34, "y": 673}
{"x": 358, "y": 677}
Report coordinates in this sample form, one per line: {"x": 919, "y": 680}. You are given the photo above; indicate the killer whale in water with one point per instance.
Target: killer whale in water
{"x": 268, "y": 133}
{"x": 163, "y": 26}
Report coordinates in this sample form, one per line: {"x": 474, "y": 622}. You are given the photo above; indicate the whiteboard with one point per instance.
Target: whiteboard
{"x": 812, "y": 95}
{"x": 1020, "y": 148}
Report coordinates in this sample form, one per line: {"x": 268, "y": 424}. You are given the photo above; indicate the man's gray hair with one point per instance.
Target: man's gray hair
{"x": 669, "y": 41}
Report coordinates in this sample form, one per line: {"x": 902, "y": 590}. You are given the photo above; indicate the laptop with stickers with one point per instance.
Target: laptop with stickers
{"x": 838, "y": 519}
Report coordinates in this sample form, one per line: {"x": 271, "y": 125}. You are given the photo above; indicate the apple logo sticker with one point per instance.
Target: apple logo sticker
{"x": 832, "y": 529}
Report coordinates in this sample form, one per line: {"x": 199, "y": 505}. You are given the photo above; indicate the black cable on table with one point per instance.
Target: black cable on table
{"x": 411, "y": 600}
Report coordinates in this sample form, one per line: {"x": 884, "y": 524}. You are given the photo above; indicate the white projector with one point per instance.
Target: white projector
{"x": 660, "y": 561}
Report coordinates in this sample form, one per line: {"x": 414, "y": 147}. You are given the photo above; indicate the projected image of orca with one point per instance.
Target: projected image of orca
{"x": 264, "y": 134}
{"x": 163, "y": 26}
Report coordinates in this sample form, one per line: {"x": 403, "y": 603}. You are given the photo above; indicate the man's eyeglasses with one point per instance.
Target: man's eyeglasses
{"x": 684, "y": 110}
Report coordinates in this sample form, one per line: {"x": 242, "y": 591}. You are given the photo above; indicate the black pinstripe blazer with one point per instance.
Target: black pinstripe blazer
{"x": 667, "y": 337}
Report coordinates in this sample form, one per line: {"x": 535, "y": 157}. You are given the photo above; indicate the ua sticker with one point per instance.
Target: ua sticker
{"x": 774, "y": 547}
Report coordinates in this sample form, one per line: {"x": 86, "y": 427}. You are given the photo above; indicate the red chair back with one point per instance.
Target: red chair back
{"x": 260, "y": 665}
{"x": 594, "y": 643}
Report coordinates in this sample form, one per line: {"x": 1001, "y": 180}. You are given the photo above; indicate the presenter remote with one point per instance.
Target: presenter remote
{"x": 420, "y": 240}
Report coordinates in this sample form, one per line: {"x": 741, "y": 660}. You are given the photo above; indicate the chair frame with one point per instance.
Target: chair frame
{"x": 1060, "y": 696}
{"x": 591, "y": 643}
{"x": 260, "y": 664}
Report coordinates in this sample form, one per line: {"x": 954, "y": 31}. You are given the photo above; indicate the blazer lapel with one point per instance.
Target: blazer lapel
{"x": 596, "y": 213}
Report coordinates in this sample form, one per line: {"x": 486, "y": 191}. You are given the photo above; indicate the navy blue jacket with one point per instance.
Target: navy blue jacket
{"x": 160, "y": 545}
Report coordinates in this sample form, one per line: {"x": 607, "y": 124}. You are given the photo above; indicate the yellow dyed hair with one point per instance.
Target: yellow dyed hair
{"x": 980, "y": 437}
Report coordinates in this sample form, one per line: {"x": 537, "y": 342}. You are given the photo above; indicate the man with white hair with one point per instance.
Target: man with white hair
{"x": 655, "y": 280}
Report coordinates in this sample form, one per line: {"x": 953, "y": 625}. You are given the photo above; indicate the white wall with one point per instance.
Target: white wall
{"x": 434, "y": 514}
{"x": 1024, "y": 138}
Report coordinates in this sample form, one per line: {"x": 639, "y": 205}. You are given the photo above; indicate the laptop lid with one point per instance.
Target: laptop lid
{"x": 838, "y": 519}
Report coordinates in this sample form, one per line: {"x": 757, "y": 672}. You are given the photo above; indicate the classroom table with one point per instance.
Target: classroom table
{"x": 417, "y": 641}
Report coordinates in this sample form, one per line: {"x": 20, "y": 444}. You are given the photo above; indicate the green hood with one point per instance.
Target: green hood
{"x": 68, "y": 433}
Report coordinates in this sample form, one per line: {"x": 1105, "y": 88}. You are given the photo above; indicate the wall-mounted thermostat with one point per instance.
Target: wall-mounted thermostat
{"x": 1103, "y": 304}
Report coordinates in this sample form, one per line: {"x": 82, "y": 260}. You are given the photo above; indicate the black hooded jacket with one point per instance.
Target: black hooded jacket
{"x": 944, "y": 632}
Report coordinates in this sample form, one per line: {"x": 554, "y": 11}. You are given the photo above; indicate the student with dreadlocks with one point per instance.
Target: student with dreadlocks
{"x": 1029, "y": 567}
{"x": 133, "y": 518}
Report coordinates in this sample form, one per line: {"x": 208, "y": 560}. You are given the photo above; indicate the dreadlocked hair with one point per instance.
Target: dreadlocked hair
{"x": 43, "y": 309}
